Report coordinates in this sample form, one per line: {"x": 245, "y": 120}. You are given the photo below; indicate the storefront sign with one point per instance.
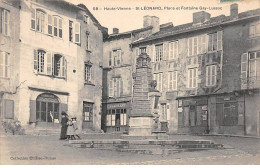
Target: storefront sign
{"x": 117, "y": 105}
{"x": 227, "y": 98}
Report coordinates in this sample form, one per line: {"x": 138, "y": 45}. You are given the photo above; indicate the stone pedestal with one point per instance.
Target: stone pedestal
{"x": 140, "y": 126}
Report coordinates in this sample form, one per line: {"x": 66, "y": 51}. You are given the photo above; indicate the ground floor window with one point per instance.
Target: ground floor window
{"x": 227, "y": 113}
{"x": 87, "y": 111}
{"x": 47, "y": 108}
{"x": 116, "y": 117}
{"x": 7, "y": 109}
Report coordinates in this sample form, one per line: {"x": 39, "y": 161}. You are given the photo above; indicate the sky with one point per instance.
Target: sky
{"x": 175, "y": 11}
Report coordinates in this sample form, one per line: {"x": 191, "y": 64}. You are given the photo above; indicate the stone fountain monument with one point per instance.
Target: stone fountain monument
{"x": 144, "y": 115}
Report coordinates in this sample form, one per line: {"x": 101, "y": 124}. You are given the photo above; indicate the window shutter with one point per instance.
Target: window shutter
{"x": 119, "y": 57}
{"x": 63, "y": 67}
{"x": 219, "y": 39}
{"x": 2, "y": 64}
{"x": 33, "y": 19}
{"x": 49, "y": 24}
{"x": 92, "y": 74}
{"x": 35, "y": 55}
{"x": 110, "y": 61}
{"x": 77, "y": 33}
{"x": 165, "y": 51}
{"x": 9, "y": 109}
{"x": 137, "y": 52}
{"x": 207, "y": 75}
{"x": 244, "y": 70}
{"x": 1, "y": 20}
{"x": 153, "y": 53}
{"x": 7, "y": 62}
{"x": 60, "y": 28}
{"x": 111, "y": 88}
{"x": 200, "y": 44}
{"x": 176, "y": 49}
{"x": 121, "y": 87}
{"x": 49, "y": 64}
{"x": 32, "y": 118}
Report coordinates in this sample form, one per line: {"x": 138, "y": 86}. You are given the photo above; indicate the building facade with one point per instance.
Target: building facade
{"x": 207, "y": 72}
{"x": 58, "y": 64}
{"x": 118, "y": 73}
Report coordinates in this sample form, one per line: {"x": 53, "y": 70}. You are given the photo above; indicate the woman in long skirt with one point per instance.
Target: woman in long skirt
{"x": 64, "y": 126}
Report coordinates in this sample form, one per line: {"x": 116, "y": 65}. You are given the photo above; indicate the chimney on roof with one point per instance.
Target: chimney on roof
{"x": 115, "y": 30}
{"x": 234, "y": 10}
{"x": 200, "y": 17}
{"x": 152, "y": 21}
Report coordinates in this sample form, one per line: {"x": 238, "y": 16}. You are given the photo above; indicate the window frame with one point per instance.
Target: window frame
{"x": 89, "y": 105}
{"x": 88, "y": 74}
{"x": 253, "y": 27}
{"x": 210, "y": 77}
{"x": 193, "y": 77}
{"x": 5, "y": 64}
{"x": 173, "y": 50}
{"x": 40, "y": 20}
{"x": 172, "y": 84}
{"x": 5, "y": 22}
{"x": 159, "y": 52}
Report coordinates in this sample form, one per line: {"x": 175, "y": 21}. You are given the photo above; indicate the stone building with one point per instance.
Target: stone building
{"x": 208, "y": 73}
{"x": 55, "y": 60}
{"x": 118, "y": 73}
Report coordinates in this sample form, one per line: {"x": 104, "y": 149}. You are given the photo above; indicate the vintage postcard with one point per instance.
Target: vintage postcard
{"x": 129, "y": 82}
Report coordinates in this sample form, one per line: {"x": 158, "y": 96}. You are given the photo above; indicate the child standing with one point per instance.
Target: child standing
{"x": 70, "y": 132}
{"x": 75, "y": 126}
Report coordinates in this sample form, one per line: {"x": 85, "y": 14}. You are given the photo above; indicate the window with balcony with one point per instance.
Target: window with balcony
{"x": 5, "y": 22}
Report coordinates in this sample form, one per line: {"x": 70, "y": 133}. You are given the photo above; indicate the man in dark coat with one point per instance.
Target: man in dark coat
{"x": 64, "y": 126}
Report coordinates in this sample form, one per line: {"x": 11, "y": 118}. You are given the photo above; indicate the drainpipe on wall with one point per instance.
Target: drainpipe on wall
{"x": 244, "y": 113}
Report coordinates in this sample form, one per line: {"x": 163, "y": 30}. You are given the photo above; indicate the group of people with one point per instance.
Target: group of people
{"x": 69, "y": 127}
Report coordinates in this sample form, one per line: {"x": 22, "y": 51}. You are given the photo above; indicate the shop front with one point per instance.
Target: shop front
{"x": 192, "y": 115}
{"x": 117, "y": 117}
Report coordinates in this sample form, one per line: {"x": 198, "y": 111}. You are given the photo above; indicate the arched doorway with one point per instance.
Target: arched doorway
{"x": 47, "y": 110}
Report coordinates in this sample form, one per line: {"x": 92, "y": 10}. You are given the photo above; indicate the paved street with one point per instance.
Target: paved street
{"x": 30, "y": 149}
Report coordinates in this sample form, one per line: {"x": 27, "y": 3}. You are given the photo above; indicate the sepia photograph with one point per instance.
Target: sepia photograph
{"x": 129, "y": 82}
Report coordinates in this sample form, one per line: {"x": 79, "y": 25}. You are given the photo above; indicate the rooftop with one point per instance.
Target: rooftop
{"x": 188, "y": 27}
